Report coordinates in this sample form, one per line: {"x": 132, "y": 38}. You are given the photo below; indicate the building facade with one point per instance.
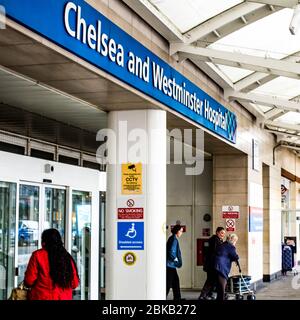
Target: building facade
{"x": 69, "y": 70}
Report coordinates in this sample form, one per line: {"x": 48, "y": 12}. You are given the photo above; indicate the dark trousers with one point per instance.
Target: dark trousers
{"x": 173, "y": 282}
{"x": 221, "y": 287}
{"x": 209, "y": 284}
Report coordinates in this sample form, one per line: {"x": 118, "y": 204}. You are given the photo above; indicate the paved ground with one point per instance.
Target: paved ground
{"x": 285, "y": 288}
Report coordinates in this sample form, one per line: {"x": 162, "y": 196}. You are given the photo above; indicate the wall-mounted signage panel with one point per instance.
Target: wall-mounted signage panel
{"x": 131, "y": 235}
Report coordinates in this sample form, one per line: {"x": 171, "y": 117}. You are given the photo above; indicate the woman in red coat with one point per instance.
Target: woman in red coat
{"x": 51, "y": 272}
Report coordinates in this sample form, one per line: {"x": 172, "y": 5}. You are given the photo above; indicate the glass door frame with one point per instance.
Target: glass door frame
{"x": 94, "y": 286}
{"x": 16, "y": 182}
{"x": 95, "y": 237}
{"x": 42, "y": 188}
{"x": 55, "y": 186}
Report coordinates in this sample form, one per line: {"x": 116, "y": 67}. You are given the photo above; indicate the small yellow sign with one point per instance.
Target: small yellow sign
{"x": 129, "y": 258}
{"x": 132, "y": 182}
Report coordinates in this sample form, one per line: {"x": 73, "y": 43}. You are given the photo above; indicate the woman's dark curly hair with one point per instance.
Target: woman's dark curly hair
{"x": 60, "y": 261}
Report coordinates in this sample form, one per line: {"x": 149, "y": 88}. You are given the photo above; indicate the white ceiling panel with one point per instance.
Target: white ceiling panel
{"x": 28, "y": 95}
{"x": 187, "y": 14}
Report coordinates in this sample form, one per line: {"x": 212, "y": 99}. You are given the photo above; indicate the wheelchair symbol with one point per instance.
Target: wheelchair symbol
{"x": 131, "y": 233}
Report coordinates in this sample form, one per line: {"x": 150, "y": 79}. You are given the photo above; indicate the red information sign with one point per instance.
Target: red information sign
{"x": 230, "y": 212}
{"x": 231, "y": 215}
{"x": 230, "y": 225}
{"x": 130, "y": 213}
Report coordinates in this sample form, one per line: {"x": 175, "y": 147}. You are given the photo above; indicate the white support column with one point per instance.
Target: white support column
{"x": 146, "y": 278}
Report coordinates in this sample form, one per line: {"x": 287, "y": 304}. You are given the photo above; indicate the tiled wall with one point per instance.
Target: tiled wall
{"x": 185, "y": 192}
{"x": 230, "y": 187}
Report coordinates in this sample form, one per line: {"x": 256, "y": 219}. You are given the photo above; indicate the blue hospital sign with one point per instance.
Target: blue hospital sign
{"x": 82, "y": 30}
{"x": 131, "y": 235}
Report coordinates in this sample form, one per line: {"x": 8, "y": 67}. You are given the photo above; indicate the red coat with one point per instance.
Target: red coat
{"x": 37, "y": 276}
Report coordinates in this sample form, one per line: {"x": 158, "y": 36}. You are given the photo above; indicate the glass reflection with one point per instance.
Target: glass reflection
{"x": 81, "y": 240}
{"x": 28, "y": 228}
{"x": 55, "y": 209}
{"x": 7, "y": 237}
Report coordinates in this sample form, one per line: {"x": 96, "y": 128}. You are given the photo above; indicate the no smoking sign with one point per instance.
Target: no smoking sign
{"x": 230, "y": 224}
{"x": 130, "y": 203}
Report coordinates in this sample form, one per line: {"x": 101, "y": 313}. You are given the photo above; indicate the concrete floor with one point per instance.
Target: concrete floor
{"x": 285, "y": 288}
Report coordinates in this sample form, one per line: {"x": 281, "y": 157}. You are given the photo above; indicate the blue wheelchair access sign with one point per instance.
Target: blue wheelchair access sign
{"x": 130, "y": 235}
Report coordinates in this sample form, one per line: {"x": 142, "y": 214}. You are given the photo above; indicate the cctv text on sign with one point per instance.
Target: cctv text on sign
{"x": 132, "y": 178}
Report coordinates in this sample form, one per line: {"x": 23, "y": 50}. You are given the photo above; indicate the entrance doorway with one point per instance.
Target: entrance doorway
{"x": 40, "y": 207}
{"x": 183, "y": 215}
{"x": 70, "y": 204}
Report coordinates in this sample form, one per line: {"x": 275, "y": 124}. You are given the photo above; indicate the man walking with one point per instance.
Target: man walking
{"x": 174, "y": 261}
{"x": 209, "y": 262}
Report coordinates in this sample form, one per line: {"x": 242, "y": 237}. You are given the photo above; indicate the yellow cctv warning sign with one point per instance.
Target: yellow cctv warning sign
{"x": 132, "y": 178}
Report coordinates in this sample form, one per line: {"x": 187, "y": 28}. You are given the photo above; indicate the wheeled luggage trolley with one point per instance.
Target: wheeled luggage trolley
{"x": 239, "y": 286}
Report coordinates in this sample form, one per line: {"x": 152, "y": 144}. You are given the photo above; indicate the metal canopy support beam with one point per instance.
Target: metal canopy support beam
{"x": 257, "y": 79}
{"x": 280, "y": 135}
{"x": 219, "y": 21}
{"x": 281, "y": 3}
{"x": 238, "y": 60}
{"x": 219, "y": 77}
{"x": 289, "y": 140}
{"x": 215, "y": 73}
{"x": 253, "y": 81}
{"x": 296, "y": 147}
{"x": 253, "y": 110}
{"x": 274, "y": 113}
{"x": 263, "y": 100}
{"x": 279, "y": 114}
{"x": 155, "y": 19}
{"x": 282, "y": 125}
{"x": 235, "y": 24}
{"x": 227, "y": 22}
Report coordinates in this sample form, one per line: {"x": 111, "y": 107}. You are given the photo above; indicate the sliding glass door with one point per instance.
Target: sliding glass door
{"x": 81, "y": 240}
{"x": 8, "y": 194}
{"x": 28, "y": 227}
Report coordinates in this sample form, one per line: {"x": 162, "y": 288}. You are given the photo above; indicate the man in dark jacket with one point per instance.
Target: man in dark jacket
{"x": 209, "y": 262}
{"x": 174, "y": 261}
